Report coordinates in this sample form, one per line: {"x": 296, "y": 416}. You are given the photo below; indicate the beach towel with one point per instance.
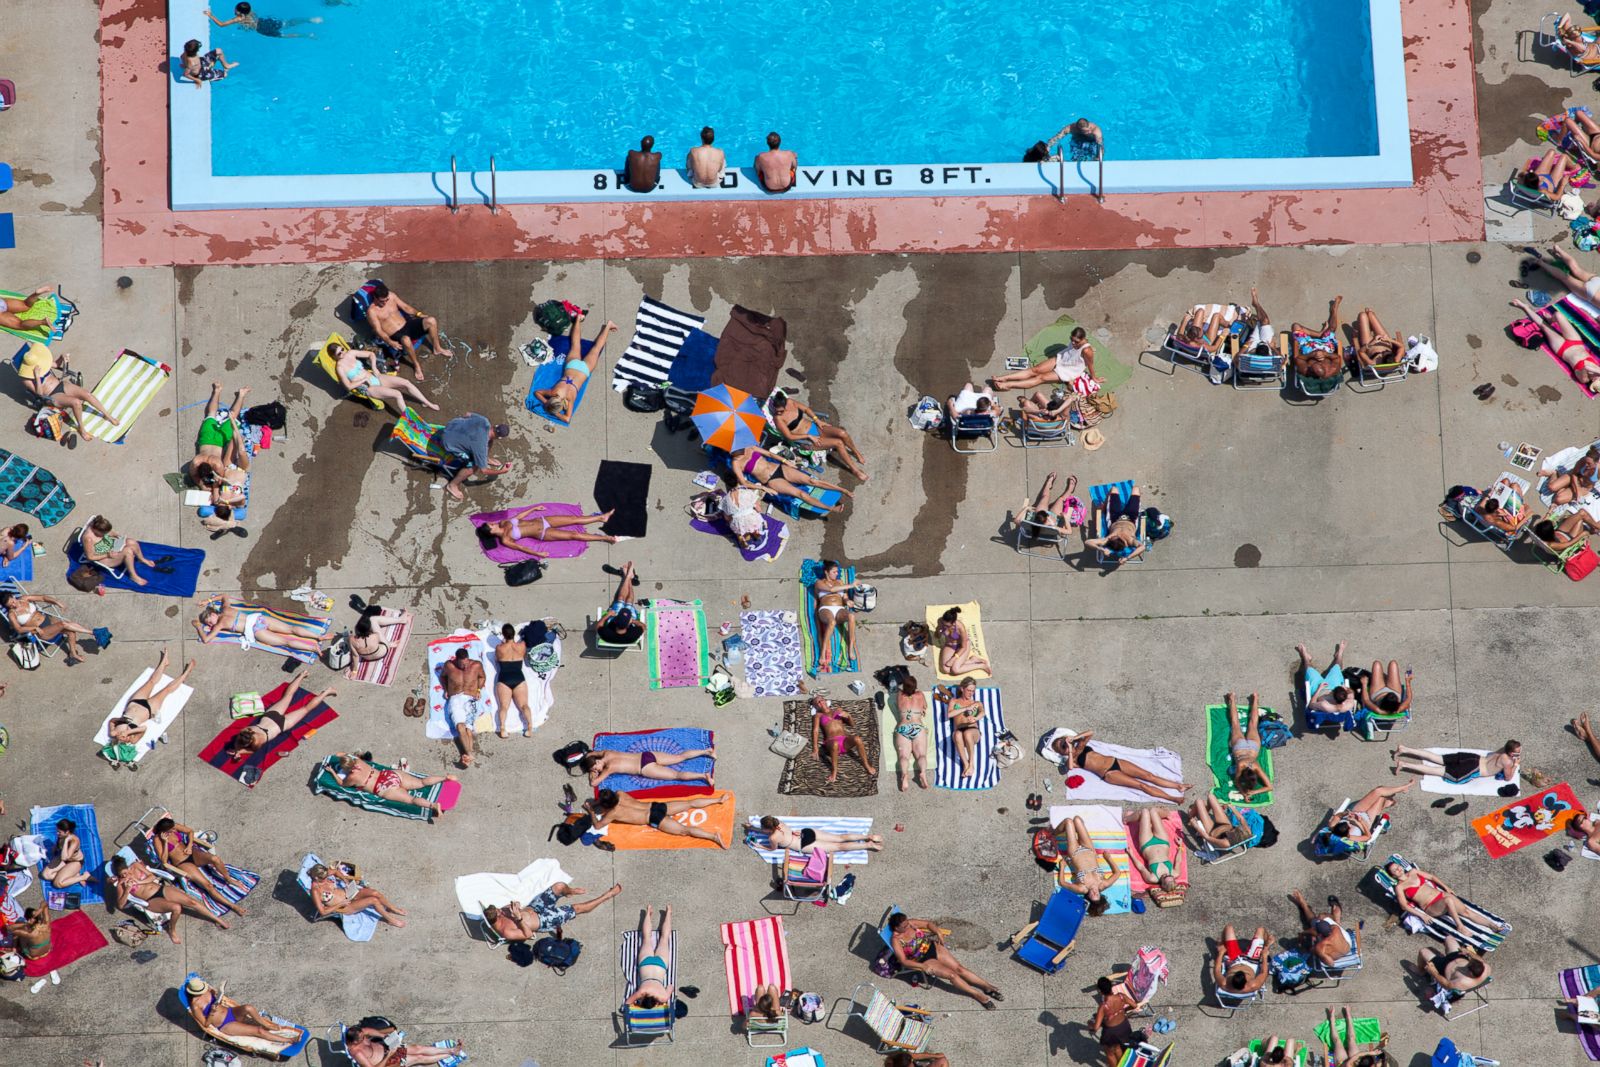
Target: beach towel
{"x": 795, "y": 508}
{"x": 985, "y": 771}
{"x": 836, "y": 657}
{"x": 972, "y": 618}
{"x": 19, "y": 569}
{"x": 33, "y": 490}
{"x": 750, "y": 351}
{"x": 628, "y": 960}
{"x": 127, "y": 389}
{"x": 172, "y": 571}
{"x": 445, "y": 794}
{"x": 250, "y": 770}
{"x": 670, "y": 741}
{"x": 1110, "y": 836}
{"x": 887, "y": 720}
{"x": 1584, "y": 324}
{"x": 547, "y": 374}
{"x": 628, "y": 837}
{"x": 156, "y": 728}
{"x": 624, "y": 489}
{"x": 1527, "y": 821}
{"x": 143, "y": 847}
{"x": 42, "y": 821}
{"x": 357, "y": 926}
{"x": 1575, "y": 982}
{"x": 394, "y": 630}
{"x": 443, "y": 649}
{"x": 772, "y": 653}
{"x": 1220, "y": 759}
{"x": 72, "y": 937}
{"x": 474, "y": 891}
{"x": 1086, "y": 785}
{"x": 498, "y": 553}
{"x": 1482, "y": 928}
{"x": 541, "y": 684}
{"x": 659, "y": 332}
{"x": 1368, "y": 1031}
{"x": 232, "y": 637}
{"x": 769, "y": 549}
{"x": 676, "y": 644}
{"x": 1172, "y": 830}
{"x": 697, "y": 361}
{"x": 756, "y": 838}
{"x": 1113, "y": 371}
{"x": 55, "y": 309}
{"x": 756, "y": 954}
{"x": 1478, "y": 787}
{"x": 807, "y": 775}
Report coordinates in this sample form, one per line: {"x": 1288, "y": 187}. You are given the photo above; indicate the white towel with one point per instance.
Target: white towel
{"x": 170, "y": 708}
{"x": 473, "y": 891}
{"x": 541, "y": 691}
{"x": 1478, "y": 787}
{"x": 1157, "y": 761}
{"x": 1097, "y": 817}
{"x": 840, "y": 824}
{"x": 443, "y": 648}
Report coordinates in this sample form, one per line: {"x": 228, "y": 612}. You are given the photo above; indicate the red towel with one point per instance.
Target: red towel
{"x": 264, "y": 757}
{"x": 72, "y": 937}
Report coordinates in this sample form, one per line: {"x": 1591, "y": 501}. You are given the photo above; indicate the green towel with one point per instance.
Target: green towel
{"x": 1113, "y": 371}
{"x": 1259, "y": 1045}
{"x": 1221, "y": 760}
{"x": 1368, "y": 1031}
{"x": 326, "y": 784}
{"x": 45, "y": 308}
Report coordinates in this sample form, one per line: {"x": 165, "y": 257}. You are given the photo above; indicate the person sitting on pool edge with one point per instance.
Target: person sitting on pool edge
{"x": 399, "y": 326}
{"x": 545, "y": 913}
{"x": 470, "y": 440}
{"x": 609, "y": 806}
{"x": 642, "y": 170}
{"x": 265, "y": 25}
{"x": 210, "y": 67}
{"x": 706, "y": 163}
{"x": 561, "y": 398}
{"x": 777, "y": 169}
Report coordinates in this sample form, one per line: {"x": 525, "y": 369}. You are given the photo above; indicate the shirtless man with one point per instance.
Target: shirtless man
{"x": 805, "y": 839}
{"x": 219, "y": 452}
{"x": 1240, "y": 970}
{"x": 159, "y": 896}
{"x": 14, "y": 312}
{"x": 402, "y": 327}
{"x": 642, "y": 170}
{"x": 610, "y": 807}
{"x": 603, "y": 763}
{"x": 545, "y": 913}
{"x": 178, "y": 851}
{"x": 463, "y": 680}
{"x": 1319, "y": 352}
{"x": 706, "y": 161}
{"x": 354, "y": 772}
{"x": 1459, "y": 968}
{"x": 776, "y": 167}
{"x": 1330, "y": 941}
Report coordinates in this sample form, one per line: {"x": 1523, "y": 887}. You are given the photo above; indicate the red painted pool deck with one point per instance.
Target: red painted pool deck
{"x": 1445, "y": 203}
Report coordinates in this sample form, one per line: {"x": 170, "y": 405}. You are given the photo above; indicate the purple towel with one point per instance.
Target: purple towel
{"x": 769, "y": 549}
{"x": 1575, "y": 983}
{"x": 555, "y": 549}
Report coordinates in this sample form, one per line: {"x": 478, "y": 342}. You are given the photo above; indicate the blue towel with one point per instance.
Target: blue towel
{"x": 184, "y": 563}
{"x": 794, "y": 507}
{"x": 357, "y": 927}
{"x": 43, "y": 822}
{"x": 21, "y": 568}
{"x": 672, "y": 740}
{"x": 550, "y": 373}
{"x": 1099, "y": 494}
{"x": 696, "y": 362}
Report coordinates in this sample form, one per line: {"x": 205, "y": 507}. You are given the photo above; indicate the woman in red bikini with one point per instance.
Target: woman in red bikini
{"x": 354, "y": 772}
{"x": 1422, "y": 894}
{"x": 1565, "y": 341}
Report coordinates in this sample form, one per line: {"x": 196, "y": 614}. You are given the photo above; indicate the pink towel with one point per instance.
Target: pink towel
{"x": 1173, "y": 827}
{"x": 554, "y": 549}
{"x": 757, "y": 954}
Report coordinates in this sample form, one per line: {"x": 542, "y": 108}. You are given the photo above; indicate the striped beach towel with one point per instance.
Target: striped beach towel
{"x": 144, "y": 847}
{"x": 756, "y": 955}
{"x": 1575, "y": 982}
{"x": 985, "y": 771}
{"x": 126, "y": 389}
{"x": 1110, "y": 837}
{"x": 233, "y": 637}
{"x": 756, "y": 838}
{"x": 629, "y": 960}
{"x": 394, "y": 630}
{"x": 658, "y": 335}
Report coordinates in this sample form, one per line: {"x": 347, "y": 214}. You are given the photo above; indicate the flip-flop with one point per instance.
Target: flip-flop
{"x": 1519, "y": 284}
{"x": 1487, "y": 394}
{"x": 1456, "y": 809}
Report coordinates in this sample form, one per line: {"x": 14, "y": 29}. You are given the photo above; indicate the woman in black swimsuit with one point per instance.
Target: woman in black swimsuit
{"x": 797, "y": 423}
{"x": 1074, "y": 751}
{"x": 277, "y": 719}
{"x": 146, "y": 703}
{"x": 510, "y": 684}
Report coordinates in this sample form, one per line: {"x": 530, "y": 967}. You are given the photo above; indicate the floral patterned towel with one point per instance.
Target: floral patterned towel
{"x": 772, "y": 656}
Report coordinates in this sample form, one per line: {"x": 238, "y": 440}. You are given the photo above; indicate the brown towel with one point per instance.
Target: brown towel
{"x": 750, "y": 352}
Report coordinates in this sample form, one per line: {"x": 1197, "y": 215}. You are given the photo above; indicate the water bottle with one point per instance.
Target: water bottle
{"x": 733, "y": 650}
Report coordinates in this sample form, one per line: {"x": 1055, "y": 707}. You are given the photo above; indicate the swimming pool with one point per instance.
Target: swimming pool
{"x": 1191, "y": 94}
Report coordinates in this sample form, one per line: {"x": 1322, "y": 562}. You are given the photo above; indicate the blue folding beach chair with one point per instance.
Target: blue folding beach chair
{"x": 1099, "y": 499}
{"x": 981, "y": 432}
{"x": 1046, "y": 944}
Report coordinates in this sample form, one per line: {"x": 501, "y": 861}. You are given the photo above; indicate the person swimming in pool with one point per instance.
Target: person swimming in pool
{"x": 267, "y": 26}
{"x": 560, "y": 399}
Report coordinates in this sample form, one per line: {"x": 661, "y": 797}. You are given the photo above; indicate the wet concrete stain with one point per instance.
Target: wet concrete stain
{"x": 1474, "y": 342}
{"x": 1247, "y": 556}
{"x": 1506, "y": 109}
{"x": 1547, "y": 394}
{"x": 1067, "y": 278}
{"x": 1506, "y": 379}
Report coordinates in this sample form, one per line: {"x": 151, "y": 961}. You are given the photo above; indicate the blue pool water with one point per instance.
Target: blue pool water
{"x": 401, "y": 85}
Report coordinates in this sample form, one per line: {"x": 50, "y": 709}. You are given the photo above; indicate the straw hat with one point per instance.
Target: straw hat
{"x": 195, "y": 986}
{"x": 1093, "y": 439}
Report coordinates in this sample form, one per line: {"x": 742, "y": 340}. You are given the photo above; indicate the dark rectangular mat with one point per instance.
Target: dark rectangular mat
{"x": 807, "y": 775}
{"x": 626, "y": 488}
{"x": 750, "y": 352}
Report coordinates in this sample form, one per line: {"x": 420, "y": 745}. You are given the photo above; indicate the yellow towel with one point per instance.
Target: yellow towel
{"x": 972, "y": 619}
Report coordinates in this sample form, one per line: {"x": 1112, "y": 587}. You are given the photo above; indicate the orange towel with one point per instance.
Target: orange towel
{"x": 626, "y": 836}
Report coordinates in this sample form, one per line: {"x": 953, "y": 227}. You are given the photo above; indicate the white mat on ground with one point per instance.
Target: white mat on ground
{"x": 444, "y": 648}
{"x": 842, "y": 824}
{"x": 1158, "y": 761}
{"x": 170, "y": 709}
{"x": 473, "y": 891}
{"x": 1478, "y": 787}
{"x": 541, "y": 687}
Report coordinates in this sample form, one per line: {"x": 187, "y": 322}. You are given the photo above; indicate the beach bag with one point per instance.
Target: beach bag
{"x": 808, "y": 1009}
{"x": 1103, "y": 402}
{"x": 1526, "y": 333}
{"x": 131, "y": 933}
{"x": 26, "y": 655}
{"x": 864, "y": 597}
{"x": 11, "y": 966}
{"x": 1421, "y": 355}
{"x": 538, "y": 351}
{"x": 219, "y": 1057}
{"x": 246, "y": 706}
{"x": 525, "y": 573}
{"x": 271, "y": 415}
{"x": 927, "y": 415}
{"x": 1289, "y": 971}
{"x": 570, "y": 755}
{"x": 338, "y": 656}
{"x": 552, "y": 317}
{"x": 643, "y": 397}
{"x": 557, "y": 953}
{"x": 788, "y": 744}
{"x": 86, "y": 577}
{"x": 884, "y": 965}
{"x": 1580, "y": 564}
{"x": 1157, "y": 525}
{"x": 1006, "y": 752}
{"x": 570, "y": 831}
{"x": 47, "y": 423}
{"x": 1275, "y": 733}
{"x": 1046, "y": 849}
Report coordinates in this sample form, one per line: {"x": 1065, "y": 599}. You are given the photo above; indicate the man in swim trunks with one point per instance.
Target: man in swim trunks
{"x": 609, "y": 807}
{"x": 1319, "y": 353}
{"x": 470, "y": 439}
{"x": 545, "y": 913}
{"x": 265, "y": 25}
{"x": 1329, "y": 939}
{"x": 829, "y": 841}
{"x": 209, "y": 67}
{"x": 642, "y": 170}
{"x": 776, "y": 168}
{"x": 219, "y": 445}
{"x": 16, "y": 314}
{"x": 706, "y": 161}
{"x": 402, "y": 327}
{"x": 463, "y": 679}
{"x": 1239, "y": 970}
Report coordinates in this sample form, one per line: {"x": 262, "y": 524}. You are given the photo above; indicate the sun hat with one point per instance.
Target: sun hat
{"x": 1093, "y": 440}
{"x": 195, "y": 986}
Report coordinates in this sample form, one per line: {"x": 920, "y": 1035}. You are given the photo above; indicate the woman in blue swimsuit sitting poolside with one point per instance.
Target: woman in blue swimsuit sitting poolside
{"x": 560, "y": 399}
{"x": 219, "y": 1014}
{"x": 1459, "y": 767}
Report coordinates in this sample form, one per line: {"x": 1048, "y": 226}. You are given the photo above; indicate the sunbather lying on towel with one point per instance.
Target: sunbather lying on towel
{"x": 104, "y": 545}
{"x": 1276, "y": 1050}
{"x": 1586, "y": 733}
{"x": 375, "y": 1042}
{"x": 49, "y": 378}
{"x": 834, "y": 610}
{"x": 1342, "y": 1052}
{"x": 17, "y": 314}
{"x": 463, "y": 678}
{"x": 1326, "y": 934}
{"x": 1074, "y": 751}
{"x": 216, "y": 1012}
{"x": 1459, "y": 968}
{"x": 770, "y": 474}
{"x": 956, "y": 654}
{"x": 14, "y": 542}
{"x": 255, "y": 628}
{"x": 805, "y": 839}
{"x": 1586, "y": 828}
{"x": 178, "y": 850}
{"x": 654, "y": 968}
{"x": 796, "y": 422}
{"x": 1078, "y": 866}
{"x": 1319, "y": 353}
{"x": 1043, "y": 511}
{"x": 277, "y": 719}
{"x": 1357, "y": 822}
{"x": 1374, "y": 343}
{"x": 545, "y": 913}
{"x": 528, "y": 523}
{"x": 158, "y": 896}
{"x": 1241, "y": 968}
{"x": 354, "y": 772}
{"x": 1459, "y": 767}
{"x": 1566, "y": 342}
{"x": 510, "y": 682}
{"x": 608, "y": 807}
{"x": 1223, "y": 826}
{"x": 1073, "y": 365}
{"x": 1566, "y": 271}
{"x": 964, "y": 710}
{"x": 1156, "y": 858}
{"x": 1245, "y": 746}
{"x": 559, "y": 399}
{"x": 63, "y": 867}
{"x": 1423, "y": 895}
{"x": 27, "y": 616}
{"x": 1551, "y": 175}
{"x": 339, "y": 890}
{"x": 620, "y": 623}
{"x": 358, "y": 372}
{"x": 832, "y": 725}
{"x": 602, "y": 763}
{"x": 1560, "y": 533}
{"x": 919, "y": 945}
{"x": 219, "y": 444}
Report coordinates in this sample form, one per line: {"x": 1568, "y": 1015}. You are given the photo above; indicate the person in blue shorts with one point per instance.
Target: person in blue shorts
{"x": 265, "y": 25}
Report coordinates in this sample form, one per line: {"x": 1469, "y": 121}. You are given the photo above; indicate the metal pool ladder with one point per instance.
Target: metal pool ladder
{"x": 494, "y": 190}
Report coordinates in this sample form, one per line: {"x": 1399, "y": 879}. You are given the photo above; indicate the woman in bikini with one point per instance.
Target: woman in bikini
{"x": 560, "y": 399}
{"x": 1156, "y": 858}
{"x": 1551, "y": 175}
{"x": 963, "y": 709}
{"x": 805, "y": 838}
{"x": 795, "y": 422}
{"x": 146, "y": 704}
{"x": 654, "y": 968}
{"x": 219, "y": 1014}
{"x": 357, "y": 370}
{"x": 1357, "y": 822}
{"x": 1046, "y": 512}
{"x": 175, "y": 846}
{"x": 911, "y": 733}
{"x": 1245, "y": 747}
{"x": 1222, "y": 826}
{"x": 355, "y": 772}
{"x": 833, "y": 601}
{"x": 918, "y": 944}
{"x": 1074, "y": 751}
{"x": 1374, "y": 343}
{"x": 657, "y": 766}
{"x": 609, "y": 806}
{"x": 1342, "y": 1051}
{"x": 1565, "y": 341}
{"x": 1559, "y": 534}
{"x": 1458, "y": 767}
{"x": 366, "y": 643}
{"x": 1579, "y": 45}
{"x": 27, "y": 616}
{"x": 1422, "y": 894}
{"x": 64, "y": 866}
{"x": 510, "y": 681}
{"x": 770, "y": 474}
{"x": 1079, "y": 866}
{"x": 1386, "y": 690}
{"x": 276, "y": 720}
{"x": 158, "y": 896}
{"x": 510, "y": 532}
{"x": 256, "y": 628}
{"x": 340, "y": 892}
{"x": 956, "y": 654}
{"x": 830, "y": 724}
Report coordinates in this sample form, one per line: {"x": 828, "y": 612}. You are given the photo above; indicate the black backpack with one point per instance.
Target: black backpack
{"x": 525, "y": 573}
{"x": 644, "y": 398}
{"x": 270, "y": 414}
{"x": 557, "y": 953}
{"x": 570, "y": 755}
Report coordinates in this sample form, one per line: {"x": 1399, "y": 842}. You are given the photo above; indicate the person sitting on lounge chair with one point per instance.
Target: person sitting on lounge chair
{"x": 1046, "y": 512}
{"x": 795, "y": 422}
{"x": 971, "y": 401}
{"x": 217, "y": 1013}
{"x": 1239, "y": 969}
{"x": 1585, "y": 828}
{"x": 833, "y": 726}
{"x": 1575, "y": 483}
{"x": 1223, "y": 826}
{"x": 157, "y": 895}
{"x": 376, "y": 1042}
{"x": 1457, "y": 767}
{"x": 1578, "y": 43}
{"x": 1579, "y": 131}
{"x": 1550, "y": 176}
{"x": 561, "y": 398}
{"x": 276, "y": 720}
{"x": 1055, "y": 406}
{"x": 255, "y": 628}
{"x": 1358, "y": 823}
{"x": 1342, "y": 1051}
{"x": 769, "y": 473}
{"x": 833, "y": 601}
{"x": 1071, "y": 364}
{"x": 25, "y": 613}
{"x": 1385, "y": 691}
{"x": 63, "y": 867}
{"x": 1155, "y": 858}
{"x": 14, "y": 542}
{"x": 1323, "y": 698}
{"x": 956, "y": 653}
{"x": 1423, "y": 895}
{"x": 1249, "y": 778}
{"x": 17, "y": 313}
{"x": 919, "y": 945}
{"x": 1074, "y": 751}
{"x": 103, "y": 545}
{"x": 357, "y": 370}
{"x": 1203, "y": 327}
{"x": 178, "y": 850}
{"x": 339, "y": 890}
{"x": 1326, "y": 934}
{"x": 609, "y": 807}
{"x": 1459, "y": 968}
{"x": 1276, "y": 1050}
{"x": 399, "y": 326}
{"x": 46, "y": 377}
{"x": 470, "y": 441}
{"x": 805, "y": 839}
{"x": 1121, "y": 541}
{"x": 355, "y": 772}
{"x": 1375, "y": 344}
{"x": 545, "y": 913}
{"x": 1561, "y": 533}
{"x": 1318, "y": 353}
{"x": 657, "y": 766}
{"x": 1501, "y": 518}
{"x": 620, "y": 623}
{"x": 1078, "y": 865}
{"x": 508, "y": 533}
{"x": 655, "y": 965}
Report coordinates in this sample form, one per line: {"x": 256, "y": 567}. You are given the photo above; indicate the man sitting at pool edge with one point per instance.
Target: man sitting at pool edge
{"x": 706, "y": 161}
{"x": 643, "y": 168}
{"x": 776, "y": 168}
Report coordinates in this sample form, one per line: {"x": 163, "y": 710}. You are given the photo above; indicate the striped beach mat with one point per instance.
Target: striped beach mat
{"x": 756, "y": 838}
{"x": 33, "y": 490}
{"x": 985, "y": 771}
{"x": 629, "y": 960}
{"x": 757, "y": 954}
{"x": 126, "y": 389}
{"x": 658, "y": 335}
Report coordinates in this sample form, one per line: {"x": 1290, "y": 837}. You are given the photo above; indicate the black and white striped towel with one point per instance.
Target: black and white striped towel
{"x": 658, "y": 335}
{"x": 631, "y": 940}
